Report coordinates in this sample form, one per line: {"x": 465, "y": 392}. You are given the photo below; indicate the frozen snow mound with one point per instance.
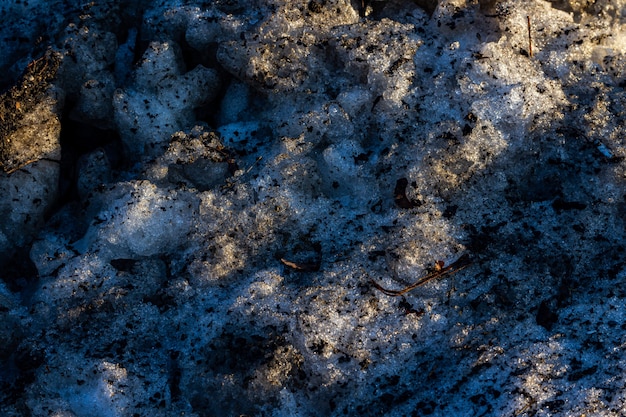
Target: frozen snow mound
{"x": 140, "y": 220}
{"x": 161, "y": 101}
{"x": 273, "y": 174}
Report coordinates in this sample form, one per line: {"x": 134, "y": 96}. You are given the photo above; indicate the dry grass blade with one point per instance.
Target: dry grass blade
{"x": 313, "y": 266}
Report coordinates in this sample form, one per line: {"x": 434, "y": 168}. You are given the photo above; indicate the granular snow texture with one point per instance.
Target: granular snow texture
{"x": 240, "y": 179}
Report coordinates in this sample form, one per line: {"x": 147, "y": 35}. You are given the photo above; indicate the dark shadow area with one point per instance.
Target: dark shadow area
{"x": 78, "y": 140}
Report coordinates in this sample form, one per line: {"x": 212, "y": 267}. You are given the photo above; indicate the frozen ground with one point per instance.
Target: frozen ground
{"x": 198, "y": 195}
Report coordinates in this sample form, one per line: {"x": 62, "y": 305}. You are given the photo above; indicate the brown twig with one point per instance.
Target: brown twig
{"x": 530, "y": 39}
{"x": 455, "y": 266}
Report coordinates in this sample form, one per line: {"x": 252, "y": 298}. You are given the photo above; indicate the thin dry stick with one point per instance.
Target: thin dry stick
{"x": 230, "y": 184}
{"x": 530, "y": 39}
{"x": 28, "y": 162}
{"x": 455, "y": 266}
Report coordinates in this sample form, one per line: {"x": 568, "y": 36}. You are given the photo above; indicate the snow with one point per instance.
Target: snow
{"x": 282, "y": 157}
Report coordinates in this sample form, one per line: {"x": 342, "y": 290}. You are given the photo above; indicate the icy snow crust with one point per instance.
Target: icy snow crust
{"x": 226, "y": 268}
